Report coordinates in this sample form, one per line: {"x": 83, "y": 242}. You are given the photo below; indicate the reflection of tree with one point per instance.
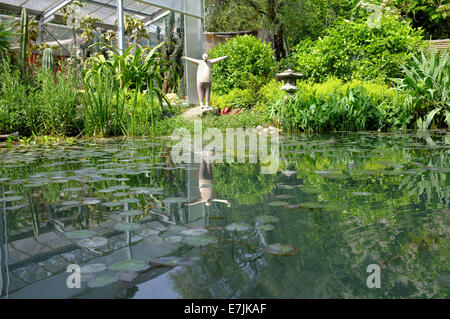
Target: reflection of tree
{"x": 242, "y": 182}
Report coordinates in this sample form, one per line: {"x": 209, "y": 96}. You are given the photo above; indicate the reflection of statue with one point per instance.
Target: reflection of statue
{"x": 205, "y": 184}
{"x": 204, "y": 76}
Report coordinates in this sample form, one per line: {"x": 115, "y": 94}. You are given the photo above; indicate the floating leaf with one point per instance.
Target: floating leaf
{"x": 267, "y": 219}
{"x": 310, "y": 205}
{"x": 128, "y": 265}
{"x": 283, "y": 196}
{"x": 237, "y": 227}
{"x": 133, "y": 212}
{"x": 194, "y": 231}
{"x": 102, "y": 281}
{"x": 200, "y": 240}
{"x": 126, "y": 226}
{"x": 91, "y": 201}
{"x": 126, "y": 275}
{"x": 92, "y": 268}
{"x": 174, "y": 200}
{"x": 79, "y": 234}
{"x": 155, "y": 240}
{"x": 149, "y": 232}
{"x": 174, "y": 239}
{"x": 172, "y": 261}
{"x": 278, "y": 204}
{"x": 11, "y": 199}
{"x": 112, "y": 204}
{"x": 281, "y": 249}
{"x": 94, "y": 242}
{"x": 265, "y": 227}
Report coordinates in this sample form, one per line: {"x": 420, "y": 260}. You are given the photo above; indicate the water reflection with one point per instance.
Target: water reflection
{"x": 344, "y": 200}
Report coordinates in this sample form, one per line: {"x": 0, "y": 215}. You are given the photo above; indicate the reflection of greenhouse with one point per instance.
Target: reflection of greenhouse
{"x": 31, "y": 263}
{"x": 52, "y": 31}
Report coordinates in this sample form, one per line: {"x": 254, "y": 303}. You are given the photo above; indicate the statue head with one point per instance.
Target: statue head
{"x": 205, "y": 56}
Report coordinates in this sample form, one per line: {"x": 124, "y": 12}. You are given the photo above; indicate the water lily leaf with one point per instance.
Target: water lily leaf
{"x": 129, "y": 201}
{"x": 174, "y": 200}
{"x": 17, "y": 207}
{"x": 126, "y": 275}
{"x": 171, "y": 261}
{"x": 11, "y": 199}
{"x": 128, "y": 265}
{"x": 200, "y": 240}
{"x": 126, "y": 226}
{"x": 194, "y": 231}
{"x": 283, "y": 196}
{"x": 174, "y": 239}
{"x": 149, "y": 232}
{"x": 92, "y": 268}
{"x": 112, "y": 204}
{"x": 267, "y": 219}
{"x": 94, "y": 242}
{"x": 281, "y": 249}
{"x": 133, "y": 212}
{"x": 311, "y": 205}
{"x": 70, "y": 203}
{"x": 237, "y": 227}
{"x": 91, "y": 201}
{"x": 278, "y": 204}
{"x": 80, "y": 234}
{"x": 265, "y": 227}
{"x": 155, "y": 240}
{"x": 102, "y": 281}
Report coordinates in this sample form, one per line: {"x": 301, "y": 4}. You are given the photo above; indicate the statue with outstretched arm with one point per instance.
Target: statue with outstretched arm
{"x": 204, "y": 77}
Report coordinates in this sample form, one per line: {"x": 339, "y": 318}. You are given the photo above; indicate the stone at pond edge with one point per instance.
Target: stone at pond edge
{"x": 196, "y": 112}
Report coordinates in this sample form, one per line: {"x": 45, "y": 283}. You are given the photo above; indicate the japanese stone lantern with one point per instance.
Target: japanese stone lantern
{"x": 290, "y": 78}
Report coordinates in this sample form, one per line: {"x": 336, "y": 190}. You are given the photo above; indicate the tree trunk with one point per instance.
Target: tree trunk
{"x": 280, "y": 52}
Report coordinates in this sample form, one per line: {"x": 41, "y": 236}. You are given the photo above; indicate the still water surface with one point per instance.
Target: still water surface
{"x": 338, "y": 203}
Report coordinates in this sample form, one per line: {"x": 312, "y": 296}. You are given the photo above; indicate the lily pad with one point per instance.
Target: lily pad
{"x": 91, "y": 201}
{"x": 128, "y": 265}
{"x": 282, "y": 249}
{"x": 311, "y": 205}
{"x": 194, "y": 232}
{"x": 149, "y": 232}
{"x": 94, "y": 242}
{"x": 102, "y": 281}
{"x": 133, "y": 212}
{"x": 278, "y": 204}
{"x": 126, "y": 275}
{"x": 267, "y": 219}
{"x": 174, "y": 200}
{"x": 92, "y": 268}
{"x": 265, "y": 227}
{"x": 172, "y": 261}
{"x": 80, "y": 234}
{"x": 126, "y": 226}
{"x": 155, "y": 240}
{"x": 11, "y": 199}
{"x": 200, "y": 240}
{"x": 237, "y": 227}
{"x": 174, "y": 239}
{"x": 112, "y": 204}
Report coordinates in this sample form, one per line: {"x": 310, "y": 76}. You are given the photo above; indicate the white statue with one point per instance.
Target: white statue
{"x": 204, "y": 77}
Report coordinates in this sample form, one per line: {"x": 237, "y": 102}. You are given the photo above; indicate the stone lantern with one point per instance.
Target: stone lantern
{"x": 290, "y": 78}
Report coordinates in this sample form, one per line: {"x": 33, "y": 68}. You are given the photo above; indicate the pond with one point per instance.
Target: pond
{"x": 342, "y": 209}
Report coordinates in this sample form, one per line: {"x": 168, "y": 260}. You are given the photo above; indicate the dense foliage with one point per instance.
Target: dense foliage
{"x": 356, "y": 49}
{"x": 249, "y": 59}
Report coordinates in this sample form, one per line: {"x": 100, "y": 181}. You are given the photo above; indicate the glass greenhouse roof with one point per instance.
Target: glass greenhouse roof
{"x": 106, "y": 10}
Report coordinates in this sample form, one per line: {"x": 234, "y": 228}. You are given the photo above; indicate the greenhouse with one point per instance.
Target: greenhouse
{"x": 209, "y": 149}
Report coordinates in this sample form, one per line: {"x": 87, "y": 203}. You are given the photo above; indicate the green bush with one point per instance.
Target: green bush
{"x": 357, "y": 50}
{"x": 249, "y": 60}
{"x": 236, "y": 98}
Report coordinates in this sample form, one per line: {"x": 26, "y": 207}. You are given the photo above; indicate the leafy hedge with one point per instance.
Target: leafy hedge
{"x": 358, "y": 50}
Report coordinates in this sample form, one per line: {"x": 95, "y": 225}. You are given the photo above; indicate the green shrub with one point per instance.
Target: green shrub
{"x": 270, "y": 93}
{"x": 356, "y": 50}
{"x": 249, "y": 60}
{"x": 236, "y": 98}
